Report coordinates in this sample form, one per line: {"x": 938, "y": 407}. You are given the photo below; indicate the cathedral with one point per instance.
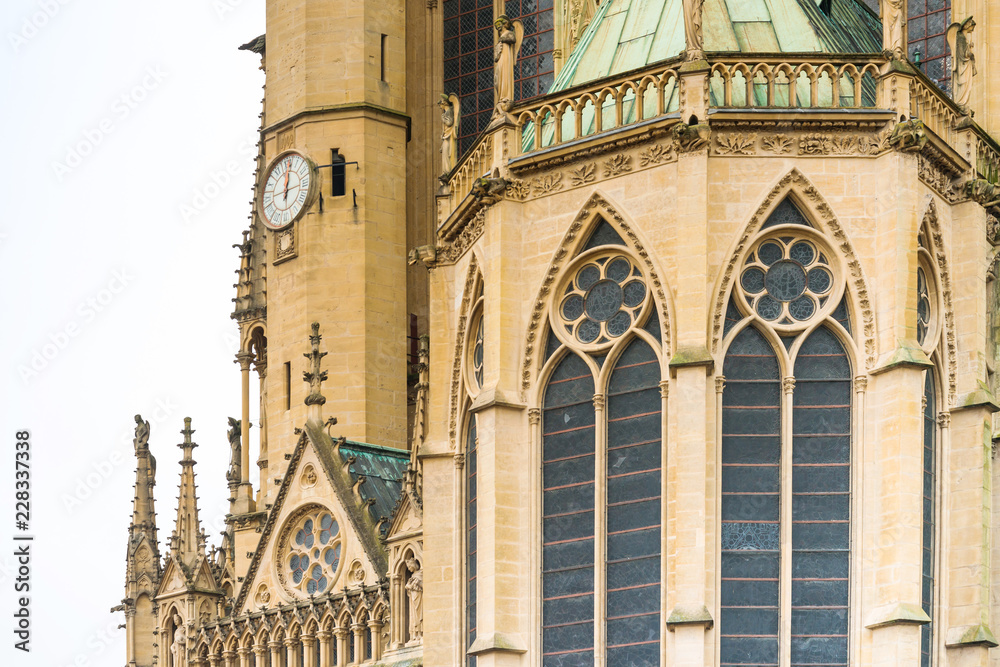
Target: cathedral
{"x": 603, "y": 332}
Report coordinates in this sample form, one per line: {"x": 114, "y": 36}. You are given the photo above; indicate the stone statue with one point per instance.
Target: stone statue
{"x": 178, "y": 649}
{"x": 963, "y": 62}
{"x": 234, "y": 474}
{"x": 695, "y": 49}
{"x": 509, "y": 36}
{"x": 893, "y": 22}
{"x": 415, "y": 592}
{"x": 141, "y": 433}
{"x": 450, "y": 115}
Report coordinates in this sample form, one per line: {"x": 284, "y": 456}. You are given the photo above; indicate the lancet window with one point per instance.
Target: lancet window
{"x": 474, "y": 362}
{"x": 785, "y": 547}
{"x": 602, "y": 463}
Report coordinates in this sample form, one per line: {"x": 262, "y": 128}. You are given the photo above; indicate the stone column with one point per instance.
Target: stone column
{"x": 309, "y": 642}
{"x": 292, "y": 652}
{"x": 229, "y": 658}
{"x": 275, "y": 647}
{"x": 324, "y": 636}
{"x": 359, "y": 642}
{"x": 244, "y": 656}
{"x": 344, "y": 655}
{"x": 259, "y": 652}
{"x": 244, "y": 498}
{"x": 375, "y": 628}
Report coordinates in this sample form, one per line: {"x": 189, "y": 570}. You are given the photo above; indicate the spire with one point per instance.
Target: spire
{"x": 143, "y": 510}
{"x": 315, "y": 377}
{"x": 187, "y": 542}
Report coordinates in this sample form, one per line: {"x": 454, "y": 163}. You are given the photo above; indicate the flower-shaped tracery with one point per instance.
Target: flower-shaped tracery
{"x": 604, "y": 299}
{"x": 313, "y": 552}
{"x": 923, "y": 306}
{"x": 787, "y": 280}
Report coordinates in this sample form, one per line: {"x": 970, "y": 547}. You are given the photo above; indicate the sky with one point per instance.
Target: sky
{"x": 129, "y": 130}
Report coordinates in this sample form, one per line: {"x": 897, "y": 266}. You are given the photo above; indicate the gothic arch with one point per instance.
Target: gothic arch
{"x": 597, "y": 208}
{"x": 795, "y": 185}
{"x": 931, "y": 225}
{"x": 473, "y": 278}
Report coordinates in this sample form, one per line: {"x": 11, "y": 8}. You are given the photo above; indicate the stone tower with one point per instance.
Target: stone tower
{"x": 142, "y": 573}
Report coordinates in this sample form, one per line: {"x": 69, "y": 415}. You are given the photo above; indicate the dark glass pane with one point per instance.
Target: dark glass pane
{"x": 929, "y": 474}
{"x": 821, "y": 426}
{"x": 751, "y": 451}
{"x": 605, "y": 234}
{"x": 568, "y": 513}
{"x": 785, "y": 214}
{"x": 634, "y": 482}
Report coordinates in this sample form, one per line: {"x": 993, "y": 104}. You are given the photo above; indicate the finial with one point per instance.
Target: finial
{"x": 188, "y": 444}
{"x": 316, "y": 375}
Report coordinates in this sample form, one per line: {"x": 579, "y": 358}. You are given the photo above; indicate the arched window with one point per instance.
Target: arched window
{"x": 602, "y": 464}
{"x": 927, "y": 536}
{"x": 786, "y": 453}
{"x": 471, "y": 540}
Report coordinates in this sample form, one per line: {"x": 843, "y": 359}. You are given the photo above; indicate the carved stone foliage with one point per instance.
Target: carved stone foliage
{"x": 451, "y": 251}
{"x": 655, "y": 154}
{"x": 583, "y": 174}
{"x": 737, "y": 138}
{"x": 933, "y": 225}
{"x": 596, "y": 204}
{"x": 617, "y": 164}
{"x": 736, "y": 143}
{"x": 794, "y": 180}
{"x": 456, "y": 369}
{"x": 939, "y": 175}
{"x": 546, "y": 183}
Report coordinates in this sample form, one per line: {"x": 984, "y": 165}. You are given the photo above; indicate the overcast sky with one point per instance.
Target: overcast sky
{"x": 129, "y": 132}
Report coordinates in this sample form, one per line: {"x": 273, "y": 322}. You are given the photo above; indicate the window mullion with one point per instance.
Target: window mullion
{"x": 600, "y": 529}
{"x": 785, "y": 505}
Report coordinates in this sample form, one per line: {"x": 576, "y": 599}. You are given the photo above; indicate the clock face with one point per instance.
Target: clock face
{"x": 287, "y": 190}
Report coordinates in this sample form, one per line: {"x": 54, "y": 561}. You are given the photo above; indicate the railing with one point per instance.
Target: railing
{"x": 771, "y": 81}
{"x": 789, "y": 82}
{"x": 934, "y": 108}
{"x": 471, "y": 167}
{"x": 987, "y": 157}
{"x": 582, "y": 111}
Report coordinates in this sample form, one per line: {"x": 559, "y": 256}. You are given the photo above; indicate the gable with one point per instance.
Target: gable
{"x": 321, "y": 523}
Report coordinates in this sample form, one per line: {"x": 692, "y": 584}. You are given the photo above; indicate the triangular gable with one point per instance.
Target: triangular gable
{"x": 333, "y": 485}
{"x": 173, "y": 579}
{"x": 405, "y": 520}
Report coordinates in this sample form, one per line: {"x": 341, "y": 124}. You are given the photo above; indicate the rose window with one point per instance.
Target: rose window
{"x": 313, "y": 553}
{"x": 604, "y": 299}
{"x": 923, "y": 307}
{"x": 787, "y": 280}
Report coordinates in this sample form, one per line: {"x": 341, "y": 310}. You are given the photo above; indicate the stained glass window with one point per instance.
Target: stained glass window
{"x": 929, "y": 483}
{"x": 821, "y": 472}
{"x": 568, "y": 460}
{"x": 926, "y": 27}
{"x": 633, "y": 509}
{"x": 751, "y": 456}
{"x": 472, "y": 541}
{"x": 468, "y": 57}
{"x": 312, "y": 557}
{"x": 923, "y": 306}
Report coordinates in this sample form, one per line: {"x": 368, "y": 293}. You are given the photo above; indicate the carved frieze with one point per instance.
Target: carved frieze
{"x": 617, "y": 165}
{"x": 655, "y": 154}
{"x": 736, "y": 143}
{"x": 583, "y": 174}
{"x": 450, "y": 251}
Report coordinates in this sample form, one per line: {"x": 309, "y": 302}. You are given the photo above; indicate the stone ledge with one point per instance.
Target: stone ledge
{"x": 689, "y": 615}
{"x": 969, "y": 636}
{"x": 901, "y": 613}
{"x": 498, "y": 641}
{"x": 980, "y": 398}
{"x": 692, "y": 356}
{"x": 495, "y": 398}
{"x": 906, "y": 354}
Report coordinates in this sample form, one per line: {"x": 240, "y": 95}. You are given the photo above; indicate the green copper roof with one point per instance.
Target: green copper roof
{"x": 382, "y": 468}
{"x": 629, "y": 34}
